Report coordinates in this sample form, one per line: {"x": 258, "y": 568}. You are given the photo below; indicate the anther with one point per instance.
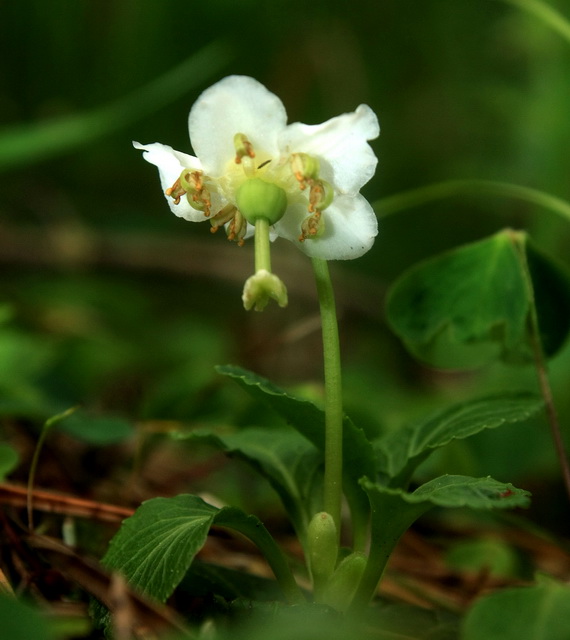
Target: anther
{"x": 197, "y": 194}
{"x": 223, "y": 216}
{"x": 320, "y": 196}
{"x": 312, "y": 227}
{"x": 176, "y": 191}
{"x": 237, "y": 228}
{"x": 243, "y": 147}
{"x": 305, "y": 169}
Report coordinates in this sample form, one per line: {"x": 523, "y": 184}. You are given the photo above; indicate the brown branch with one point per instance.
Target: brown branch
{"x": 52, "y": 502}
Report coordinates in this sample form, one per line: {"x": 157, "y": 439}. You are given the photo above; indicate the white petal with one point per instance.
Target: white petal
{"x": 236, "y": 104}
{"x": 347, "y": 161}
{"x": 350, "y": 228}
{"x": 170, "y": 164}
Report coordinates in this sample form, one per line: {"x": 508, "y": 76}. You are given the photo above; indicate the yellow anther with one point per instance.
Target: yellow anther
{"x": 320, "y": 196}
{"x": 237, "y": 228}
{"x": 223, "y": 216}
{"x": 305, "y": 169}
{"x": 197, "y": 194}
{"x": 176, "y": 191}
{"x": 312, "y": 227}
{"x": 243, "y": 147}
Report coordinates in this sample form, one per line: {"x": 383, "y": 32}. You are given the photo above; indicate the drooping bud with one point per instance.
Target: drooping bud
{"x": 256, "y": 198}
{"x": 262, "y": 287}
{"x": 322, "y": 548}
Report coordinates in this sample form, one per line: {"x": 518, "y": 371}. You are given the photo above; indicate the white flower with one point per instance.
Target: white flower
{"x": 239, "y": 132}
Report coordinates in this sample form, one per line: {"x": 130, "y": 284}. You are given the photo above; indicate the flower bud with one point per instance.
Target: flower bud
{"x": 322, "y": 548}
{"x": 342, "y": 586}
{"x": 256, "y": 198}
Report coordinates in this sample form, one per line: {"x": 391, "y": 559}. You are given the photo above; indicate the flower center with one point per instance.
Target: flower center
{"x": 256, "y": 198}
{"x": 256, "y": 186}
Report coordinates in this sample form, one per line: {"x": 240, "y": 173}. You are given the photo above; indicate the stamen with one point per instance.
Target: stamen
{"x": 243, "y": 147}
{"x": 237, "y": 229}
{"x": 320, "y": 196}
{"x": 312, "y": 227}
{"x": 223, "y": 216}
{"x": 175, "y": 191}
{"x": 197, "y": 194}
{"x": 305, "y": 169}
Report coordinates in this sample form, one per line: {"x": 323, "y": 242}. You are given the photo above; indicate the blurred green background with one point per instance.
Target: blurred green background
{"x": 110, "y": 300}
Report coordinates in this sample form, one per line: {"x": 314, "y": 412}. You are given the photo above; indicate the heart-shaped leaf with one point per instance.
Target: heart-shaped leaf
{"x": 473, "y": 304}
{"x": 155, "y": 547}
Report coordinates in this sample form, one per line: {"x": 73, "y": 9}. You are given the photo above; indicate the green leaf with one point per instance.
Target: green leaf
{"x": 401, "y": 451}
{"x": 19, "y": 621}
{"x": 541, "y": 612}
{"x": 493, "y": 556}
{"x": 309, "y": 420}
{"x": 463, "y": 491}
{"x": 473, "y": 304}
{"x": 155, "y": 547}
{"x": 394, "y": 511}
{"x": 551, "y": 289}
{"x": 290, "y": 463}
{"x": 8, "y": 460}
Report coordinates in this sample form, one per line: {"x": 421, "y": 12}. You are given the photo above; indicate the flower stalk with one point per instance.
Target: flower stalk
{"x": 262, "y": 245}
{"x": 333, "y": 393}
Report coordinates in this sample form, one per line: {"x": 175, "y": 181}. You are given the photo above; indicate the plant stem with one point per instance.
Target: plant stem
{"x": 450, "y": 188}
{"x": 541, "y": 369}
{"x": 48, "y": 424}
{"x": 547, "y": 14}
{"x": 262, "y": 245}
{"x": 333, "y": 393}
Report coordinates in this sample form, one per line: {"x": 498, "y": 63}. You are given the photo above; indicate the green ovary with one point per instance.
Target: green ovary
{"x": 256, "y": 198}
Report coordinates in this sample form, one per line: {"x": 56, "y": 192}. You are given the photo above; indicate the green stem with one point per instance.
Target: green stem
{"x": 262, "y": 245}
{"x": 333, "y": 393}
{"x": 48, "y": 424}
{"x": 250, "y": 527}
{"x": 540, "y": 365}
{"x": 450, "y": 188}
{"x": 546, "y": 13}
